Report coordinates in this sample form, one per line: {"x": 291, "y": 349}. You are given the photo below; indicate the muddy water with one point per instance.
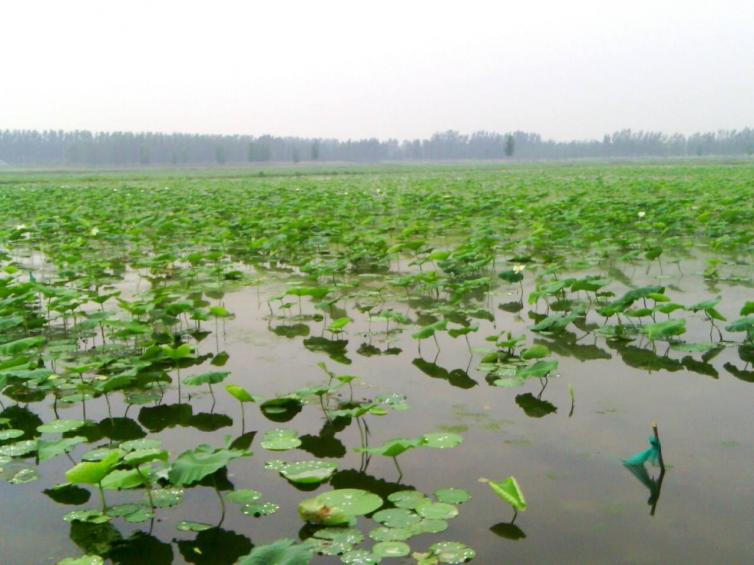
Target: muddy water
{"x": 584, "y": 505}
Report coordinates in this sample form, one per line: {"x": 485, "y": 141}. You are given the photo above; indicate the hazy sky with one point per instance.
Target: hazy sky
{"x": 566, "y": 69}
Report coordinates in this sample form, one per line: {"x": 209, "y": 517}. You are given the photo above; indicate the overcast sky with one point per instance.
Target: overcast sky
{"x": 357, "y": 68}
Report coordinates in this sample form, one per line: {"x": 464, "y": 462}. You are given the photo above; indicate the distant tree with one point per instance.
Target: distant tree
{"x": 295, "y": 157}
{"x": 220, "y": 154}
{"x": 315, "y": 150}
{"x": 510, "y": 145}
{"x": 144, "y": 155}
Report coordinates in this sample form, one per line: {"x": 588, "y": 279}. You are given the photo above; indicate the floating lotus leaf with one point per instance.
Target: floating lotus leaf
{"x": 23, "y": 476}
{"x": 19, "y": 448}
{"x": 280, "y": 440}
{"x": 308, "y": 472}
{"x": 384, "y": 533}
{"x": 314, "y": 511}
{"x": 441, "y": 440}
{"x": 452, "y": 495}
{"x": 432, "y": 526}
{"x": 437, "y": 511}
{"x": 243, "y": 496}
{"x": 452, "y": 552}
{"x": 391, "y": 549}
{"x": 10, "y": 434}
{"x": 167, "y": 497}
{"x": 275, "y": 465}
{"x": 263, "y": 509}
{"x": 336, "y": 541}
{"x": 396, "y": 518}
{"x": 407, "y": 498}
{"x": 60, "y": 426}
{"x": 355, "y": 502}
{"x": 88, "y": 516}
{"x": 189, "y": 526}
{"x": 360, "y": 557}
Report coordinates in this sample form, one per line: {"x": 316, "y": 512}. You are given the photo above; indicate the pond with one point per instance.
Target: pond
{"x": 554, "y": 378}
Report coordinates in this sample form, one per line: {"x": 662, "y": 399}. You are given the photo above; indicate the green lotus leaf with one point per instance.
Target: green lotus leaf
{"x": 280, "y": 440}
{"x": 5, "y": 435}
{"x": 355, "y": 502}
{"x": 189, "y": 526}
{"x": 452, "y": 495}
{"x": 360, "y": 557}
{"x": 167, "y": 497}
{"x": 241, "y": 394}
{"x": 91, "y": 473}
{"x": 407, "y": 498}
{"x": 137, "y": 444}
{"x": 60, "y": 426}
{"x": 88, "y": 516}
{"x": 509, "y": 491}
{"x": 282, "y": 552}
{"x": 263, "y": 509}
{"x": 19, "y": 448}
{"x": 396, "y": 518}
{"x": 535, "y": 352}
{"x": 441, "y": 440}
{"x": 391, "y": 549}
{"x": 383, "y": 533}
{"x": 83, "y": 560}
{"x": 210, "y": 378}
{"x": 452, "y": 552}
{"x": 243, "y": 496}
{"x": 437, "y": 511}
{"x": 49, "y": 449}
{"x": 308, "y": 472}
{"x": 193, "y": 465}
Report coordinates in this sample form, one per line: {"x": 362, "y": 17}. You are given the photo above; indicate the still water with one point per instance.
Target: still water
{"x": 585, "y": 506}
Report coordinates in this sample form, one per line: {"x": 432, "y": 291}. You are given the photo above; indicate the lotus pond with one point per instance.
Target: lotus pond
{"x": 405, "y": 365}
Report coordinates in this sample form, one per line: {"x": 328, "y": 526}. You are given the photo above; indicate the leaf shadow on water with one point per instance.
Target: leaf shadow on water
{"x": 336, "y": 349}
{"x": 535, "y": 407}
{"x": 158, "y": 418}
{"x": 566, "y": 344}
{"x": 508, "y": 530}
{"x": 291, "y": 331}
{"x": 325, "y": 444}
{"x": 457, "y": 377}
{"x": 353, "y": 478}
{"x": 141, "y": 547}
{"x": 215, "y": 545}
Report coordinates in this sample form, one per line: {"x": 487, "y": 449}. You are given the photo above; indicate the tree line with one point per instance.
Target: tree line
{"x": 54, "y": 147}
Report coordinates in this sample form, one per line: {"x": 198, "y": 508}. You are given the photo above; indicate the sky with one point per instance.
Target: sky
{"x": 362, "y": 68}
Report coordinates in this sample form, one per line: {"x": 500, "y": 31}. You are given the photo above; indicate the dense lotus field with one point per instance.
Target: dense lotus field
{"x": 395, "y": 365}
